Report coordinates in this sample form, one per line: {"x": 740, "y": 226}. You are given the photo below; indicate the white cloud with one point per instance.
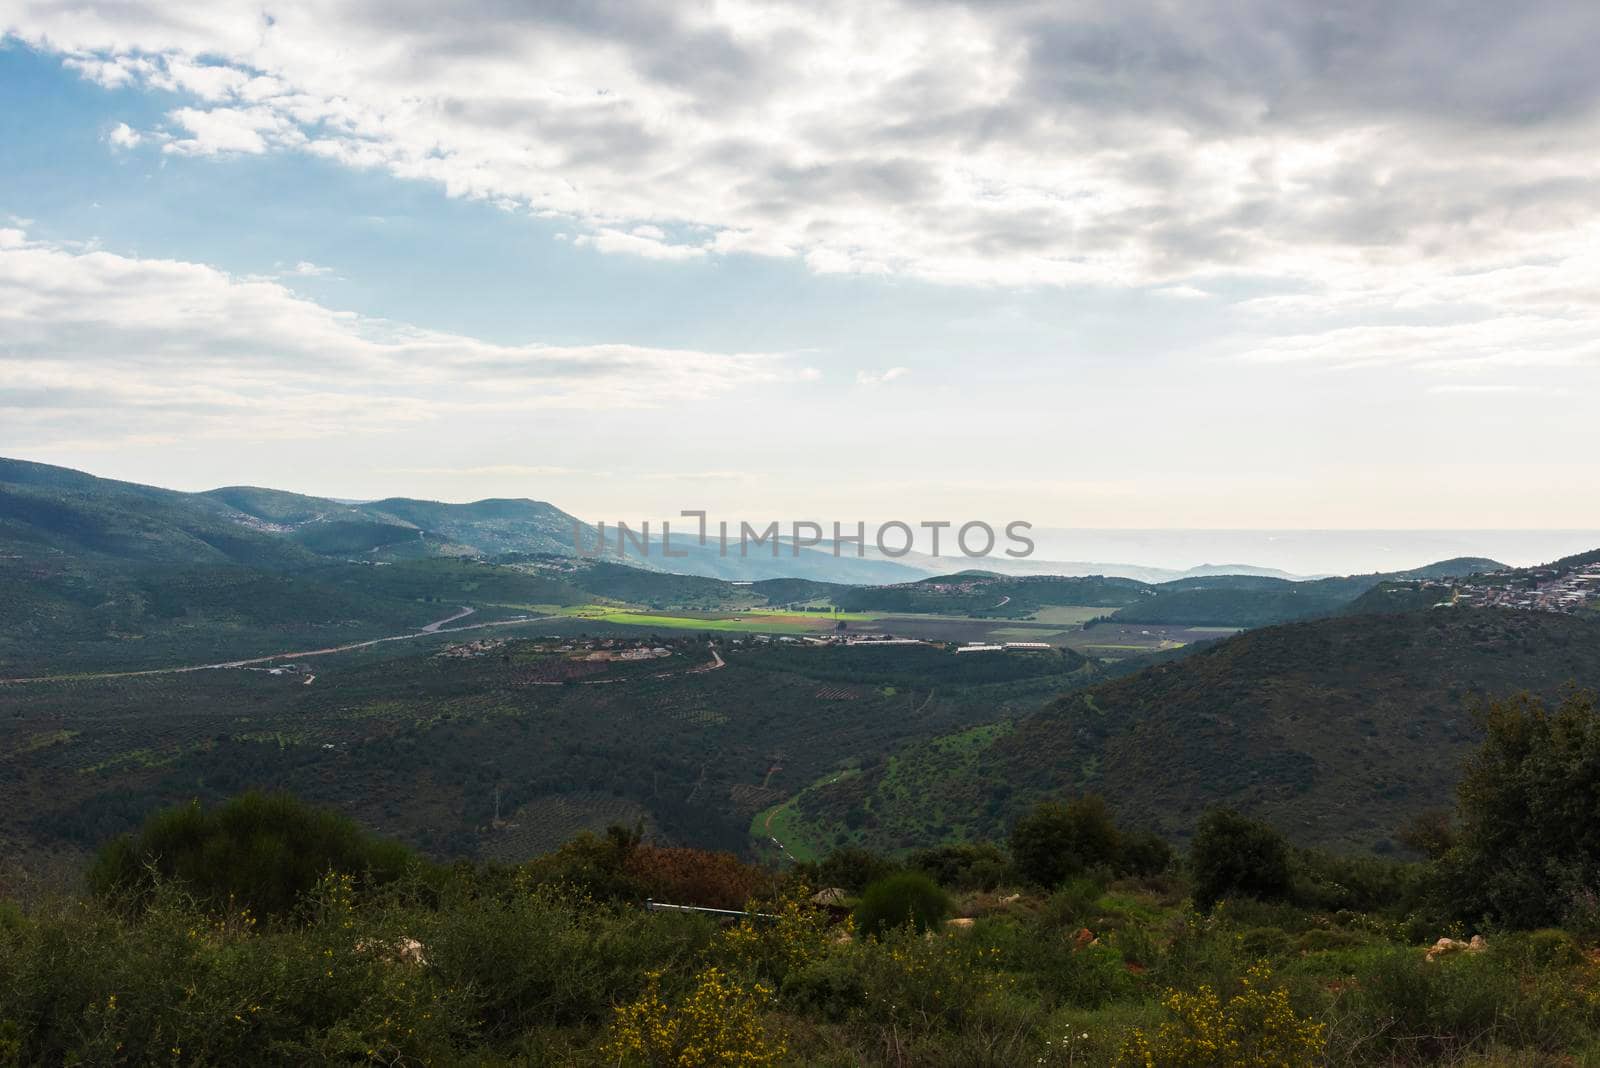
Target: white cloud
{"x": 93, "y": 343}
{"x": 1111, "y": 143}
{"x": 645, "y": 241}
{"x": 878, "y": 378}
{"x": 218, "y": 131}
{"x": 123, "y": 136}
{"x": 307, "y": 269}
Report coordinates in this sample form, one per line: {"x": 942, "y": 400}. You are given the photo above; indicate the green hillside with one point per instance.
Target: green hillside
{"x": 1337, "y": 730}
{"x": 425, "y": 746}
{"x": 985, "y": 593}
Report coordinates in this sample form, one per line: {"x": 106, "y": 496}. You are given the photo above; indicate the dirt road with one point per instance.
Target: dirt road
{"x": 428, "y": 631}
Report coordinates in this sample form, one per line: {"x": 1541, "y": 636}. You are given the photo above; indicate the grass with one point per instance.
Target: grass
{"x": 1068, "y": 615}
{"x": 787, "y": 826}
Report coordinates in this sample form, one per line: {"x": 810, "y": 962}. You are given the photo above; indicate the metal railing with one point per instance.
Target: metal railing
{"x": 652, "y": 905}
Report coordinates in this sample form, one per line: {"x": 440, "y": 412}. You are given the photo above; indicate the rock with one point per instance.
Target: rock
{"x": 1451, "y": 945}
{"x": 832, "y": 895}
{"x": 402, "y": 950}
{"x": 960, "y": 923}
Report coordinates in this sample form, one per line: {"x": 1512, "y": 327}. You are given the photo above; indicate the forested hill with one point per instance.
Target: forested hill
{"x": 1201, "y": 601}
{"x": 1338, "y": 730}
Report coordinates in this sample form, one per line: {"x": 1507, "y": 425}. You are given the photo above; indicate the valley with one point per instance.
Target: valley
{"x": 474, "y": 690}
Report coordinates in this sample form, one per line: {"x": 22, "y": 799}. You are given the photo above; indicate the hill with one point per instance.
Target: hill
{"x": 584, "y": 724}
{"x": 1337, "y": 730}
{"x": 1204, "y": 600}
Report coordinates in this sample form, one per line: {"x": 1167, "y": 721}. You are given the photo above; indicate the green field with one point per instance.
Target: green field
{"x": 747, "y": 621}
{"x": 1070, "y": 615}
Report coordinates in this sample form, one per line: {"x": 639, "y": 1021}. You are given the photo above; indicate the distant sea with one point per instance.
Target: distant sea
{"x": 1310, "y": 552}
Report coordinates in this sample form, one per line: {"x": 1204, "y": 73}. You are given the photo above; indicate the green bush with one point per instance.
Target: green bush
{"x": 1265, "y": 942}
{"x": 594, "y": 864}
{"x": 1056, "y": 841}
{"x": 1143, "y": 853}
{"x": 261, "y": 851}
{"x": 907, "y": 898}
{"x": 1329, "y": 882}
{"x": 1420, "y": 1011}
{"x": 543, "y": 956}
{"x": 851, "y": 868}
{"x": 963, "y": 866}
{"x": 1071, "y": 906}
{"x": 1552, "y": 947}
{"x": 1235, "y": 856}
{"x": 1322, "y": 939}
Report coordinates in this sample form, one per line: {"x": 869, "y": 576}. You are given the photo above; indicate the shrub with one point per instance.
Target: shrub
{"x": 1143, "y": 853}
{"x": 1255, "y": 1027}
{"x": 1085, "y": 977}
{"x": 694, "y": 876}
{"x": 1431, "y": 1010}
{"x": 1055, "y": 841}
{"x": 907, "y": 898}
{"x": 773, "y": 949}
{"x": 1233, "y": 855}
{"x": 1071, "y": 906}
{"x": 717, "y": 1022}
{"x": 1329, "y": 882}
{"x": 262, "y": 851}
{"x": 596, "y": 865}
{"x": 850, "y": 868}
{"x": 944, "y": 985}
{"x": 1552, "y": 947}
{"x": 964, "y": 866}
{"x": 1265, "y": 942}
{"x": 1321, "y": 940}
{"x": 540, "y": 955}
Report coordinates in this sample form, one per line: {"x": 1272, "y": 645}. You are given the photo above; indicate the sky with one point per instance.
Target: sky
{"x": 1221, "y": 264}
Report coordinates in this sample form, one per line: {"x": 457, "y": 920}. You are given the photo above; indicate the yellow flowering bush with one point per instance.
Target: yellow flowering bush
{"x": 774, "y": 948}
{"x": 718, "y": 1023}
{"x": 1256, "y": 1028}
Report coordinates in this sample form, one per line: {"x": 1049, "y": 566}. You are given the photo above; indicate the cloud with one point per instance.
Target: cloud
{"x": 1123, "y": 143}
{"x": 645, "y": 241}
{"x": 95, "y": 342}
{"x": 878, "y": 378}
{"x": 307, "y": 269}
{"x": 123, "y": 136}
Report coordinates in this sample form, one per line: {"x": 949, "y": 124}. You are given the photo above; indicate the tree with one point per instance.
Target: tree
{"x": 1144, "y": 853}
{"x": 908, "y": 897}
{"x": 259, "y": 850}
{"x": 1529, "y": 813}
{"x": 849, "y": 868}
{"x": 1055, "y": 841}
{"x": 1234, "y": 856}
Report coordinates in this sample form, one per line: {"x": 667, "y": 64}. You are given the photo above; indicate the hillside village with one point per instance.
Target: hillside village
{"x": 1544, "y": 589}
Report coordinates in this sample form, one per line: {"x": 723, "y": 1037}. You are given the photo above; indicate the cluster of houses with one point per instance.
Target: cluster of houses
{"x": 1535, "y": 590}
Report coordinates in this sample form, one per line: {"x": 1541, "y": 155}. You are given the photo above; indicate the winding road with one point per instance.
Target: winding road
{"x": 423, "y": 632}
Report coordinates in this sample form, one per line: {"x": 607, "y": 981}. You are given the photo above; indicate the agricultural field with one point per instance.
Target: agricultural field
{"x": 749, "y": 621}
{"x": 1118, "y": 641}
